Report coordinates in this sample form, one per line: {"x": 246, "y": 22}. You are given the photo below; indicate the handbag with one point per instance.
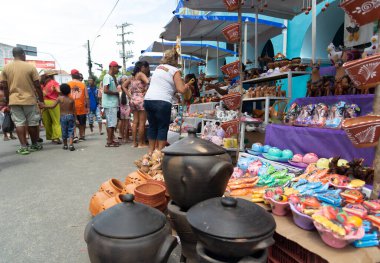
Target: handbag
{"x": 8, "y": 125}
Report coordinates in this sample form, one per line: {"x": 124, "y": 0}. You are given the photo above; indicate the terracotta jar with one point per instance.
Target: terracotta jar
{"x": 129, "y": 232}
{"x": 195, "y": 170}
{"x": 111, "y": 202}
{"x": 112, "y": 187}
{"x": 97, "y": 201}
{"x": 137, "y": 178}
{"x": 231, "y": 228}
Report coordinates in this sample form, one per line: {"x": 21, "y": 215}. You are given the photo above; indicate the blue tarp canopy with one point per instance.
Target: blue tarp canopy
{"x": 285, "y": 9}
{"x": 204, "y": 27}
{"x": 154, "y": 58}
{"x": 194, "y": 49}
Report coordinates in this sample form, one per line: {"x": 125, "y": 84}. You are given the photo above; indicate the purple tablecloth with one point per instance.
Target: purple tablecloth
{"x": 364, "y": 101}
{"x": 323, "y": 142}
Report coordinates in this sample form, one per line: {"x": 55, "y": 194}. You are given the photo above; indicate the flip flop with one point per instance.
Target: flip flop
{"x": 112, "y": 145}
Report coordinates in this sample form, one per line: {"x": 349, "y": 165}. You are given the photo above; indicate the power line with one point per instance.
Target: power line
{"x": 101, "y": 27}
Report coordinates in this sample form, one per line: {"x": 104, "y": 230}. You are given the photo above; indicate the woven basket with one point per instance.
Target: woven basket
{"x": 231, "y": 69}
{"x": 362, "y": 11}
{"x": 232, "y": 100}
{"x": 363, "y": 131}
{"x": 231, "y": 5}
{"x": 232, "y": 33}
{"x": 151, "y": 194}
{"x": 364, "y": 72}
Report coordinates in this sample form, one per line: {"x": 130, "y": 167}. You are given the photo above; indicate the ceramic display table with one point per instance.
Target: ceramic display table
{"x": 323, "y": 142}
{"x": 311, "y": 241}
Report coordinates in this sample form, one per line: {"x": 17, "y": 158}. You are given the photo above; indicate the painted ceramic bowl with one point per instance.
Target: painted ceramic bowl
{"x": 257, "y": 147}
{"x": 301, "y": 220}
{"x": 266, "y": 148}
{"x": 297, "y": 158}
{"x": 310, "y": 158}
{"x": 274, "y": 151}
{"x": 278, "y": 208}
{"x": 287, "y": 154}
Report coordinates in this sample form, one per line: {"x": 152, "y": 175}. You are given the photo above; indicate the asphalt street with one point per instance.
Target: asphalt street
{"x": 44, "y": 197}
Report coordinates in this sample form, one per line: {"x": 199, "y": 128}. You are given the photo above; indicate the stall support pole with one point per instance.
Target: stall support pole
{"x": 285, "y": 38}
{"x": 245, "y": 40}
{"x": 217, "y": 58}
{"x": 240, "y": 81}
{"x": 313, "y": 30}
{"x": 256, "y": 40}
{"x": 206, "y": 62}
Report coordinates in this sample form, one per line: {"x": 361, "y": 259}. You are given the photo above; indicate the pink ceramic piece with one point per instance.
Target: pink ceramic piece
{"x": 336, "y": 241}
{"x": 297, "y": 158}
{"x": 254, "y": 167}
{"x": 298, "y": 164}
{"x": 278, "y": 208}
{"x": 301, "y": 220}
{"x": 237, "y": 173}
{"x": 310, "y": 158}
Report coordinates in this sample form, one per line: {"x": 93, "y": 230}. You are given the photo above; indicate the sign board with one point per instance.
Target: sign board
{"x": 41, "y": 64}
{"x": 30, "y": 51}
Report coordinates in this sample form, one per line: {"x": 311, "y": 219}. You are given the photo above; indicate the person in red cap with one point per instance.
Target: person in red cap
{"x": 110, "y": 102}
{"x": 80, "y": 96}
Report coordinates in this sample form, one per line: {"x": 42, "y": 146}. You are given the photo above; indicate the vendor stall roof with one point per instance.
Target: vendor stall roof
{"x": 154, "y": 58}
{"x": 285, "y": 9}
{"x": 195, "y": 49}
{"x": 203, "y": 27}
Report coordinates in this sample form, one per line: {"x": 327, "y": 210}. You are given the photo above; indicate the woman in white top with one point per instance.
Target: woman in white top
{"x": 165, "y": 82}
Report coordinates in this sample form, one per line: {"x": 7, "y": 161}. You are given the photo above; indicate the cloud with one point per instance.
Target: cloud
{"x": 62, "y": 27}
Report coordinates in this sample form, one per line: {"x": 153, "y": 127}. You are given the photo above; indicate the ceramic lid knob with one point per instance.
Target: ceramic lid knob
{"x": 229, "y": 202}
{"x": 128, "y": 198}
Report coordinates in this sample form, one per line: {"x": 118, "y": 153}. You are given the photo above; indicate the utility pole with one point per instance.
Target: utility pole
{"x": 125, "y": 55}
{"x": 89, "y": 62}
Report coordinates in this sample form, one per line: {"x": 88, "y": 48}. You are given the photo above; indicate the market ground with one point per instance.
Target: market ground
{"x": 44, "y": 198}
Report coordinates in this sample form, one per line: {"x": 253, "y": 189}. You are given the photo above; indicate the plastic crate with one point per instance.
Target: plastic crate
{"x": 287, "y": 251}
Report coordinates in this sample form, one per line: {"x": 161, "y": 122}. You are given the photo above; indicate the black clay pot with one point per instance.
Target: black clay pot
{"x": 195, "y": 170}
{"x": 129, "y": 232}
{"x": 231, "y": 228}
{"x": 205, "y": 257}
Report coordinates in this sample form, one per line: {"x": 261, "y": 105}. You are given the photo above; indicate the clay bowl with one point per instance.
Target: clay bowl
{"x": 112, "y": 187}
{"x": 97, "y": 201}
{"x": 363, "y": 131}
{"x": 151, "y": 194}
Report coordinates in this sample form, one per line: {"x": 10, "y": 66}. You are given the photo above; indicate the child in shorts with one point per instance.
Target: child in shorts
{"x": 68, "y": 115}
{"x": 125, "y": 112}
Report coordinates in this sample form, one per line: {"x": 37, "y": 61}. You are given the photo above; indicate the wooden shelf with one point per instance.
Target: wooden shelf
{"x": 277, "y": 76}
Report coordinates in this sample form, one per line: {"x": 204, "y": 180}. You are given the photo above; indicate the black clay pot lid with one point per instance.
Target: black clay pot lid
{"x": 230, "y": 218}
{"x": 193, "y": 146}
{"x": 129, "y": 220}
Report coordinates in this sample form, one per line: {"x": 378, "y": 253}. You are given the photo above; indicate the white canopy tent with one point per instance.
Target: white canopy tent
{"x": 194, "y": 49}
{"x": 285, "y": 9}
{"x": 154, "y": 58}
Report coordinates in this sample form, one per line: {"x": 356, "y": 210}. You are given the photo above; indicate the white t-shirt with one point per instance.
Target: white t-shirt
{"x": 162, "y": 85}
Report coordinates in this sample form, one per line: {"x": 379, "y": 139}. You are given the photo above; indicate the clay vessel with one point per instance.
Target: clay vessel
{"x": 363, "y": 131}
{"x": 112, "y": 187}
{"x": 195, "y": 170}
{"x": 151, "y": 194}
{"x": 224, "y": 227}
{"x": 97, "y": 201}
{"x": 361, "y": 11}
{"x": 137, "y": 178}
{"x": 111, "y": 202}
{"x": 129, "y": 232}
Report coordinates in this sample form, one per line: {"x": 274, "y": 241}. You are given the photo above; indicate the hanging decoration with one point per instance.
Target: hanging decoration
{"x": 231, "y": 5}
{"x": 231, "y": 69}
{"x": 232, "y": 100}
{"x": 231, "y": 33}
{"x": 230, "y": 128}
{"x": 361, "y": 11}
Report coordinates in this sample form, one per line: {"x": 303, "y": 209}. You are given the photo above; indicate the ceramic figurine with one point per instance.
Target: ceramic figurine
{"x": 316, "y": 80}
{"x": 320, "y": 115}
{"x": 328, "y": 86}
{"x": 340, "y": 73}
{"x": 351, "y": 111}
{"x": 371, "y": 50}
{"x": 335, "y": 116}
{"x": 292, "y": 114}
{"x": 305, "y": 116}
{"x": 347, "y": 86}
{"x": 333, "y": 54}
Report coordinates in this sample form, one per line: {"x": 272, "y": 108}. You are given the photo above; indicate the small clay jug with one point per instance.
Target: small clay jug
{"x": 112, "y": 187}
{"x": 97, "y": 201}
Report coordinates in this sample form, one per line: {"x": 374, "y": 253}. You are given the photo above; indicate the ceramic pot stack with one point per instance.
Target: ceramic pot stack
{"x": 194, "y": 170}
{"x": 212, "y": 228}
{"x": 129, "y": 232}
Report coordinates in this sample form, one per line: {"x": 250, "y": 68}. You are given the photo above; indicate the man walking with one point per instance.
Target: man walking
{"x": 94, "y": 112}
{"x": 80, "y": 96}
{"x": 20, "y": 81}
{"x": 110, "y": 102}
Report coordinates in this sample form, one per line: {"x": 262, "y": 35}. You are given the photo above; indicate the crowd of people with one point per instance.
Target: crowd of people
{"x": 28, "y": 100}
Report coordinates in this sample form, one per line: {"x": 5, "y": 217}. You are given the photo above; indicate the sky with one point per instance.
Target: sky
{"x": 61, "y": 28}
